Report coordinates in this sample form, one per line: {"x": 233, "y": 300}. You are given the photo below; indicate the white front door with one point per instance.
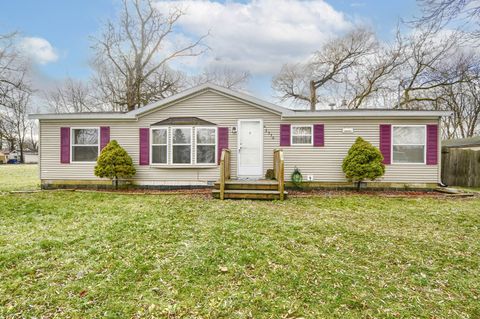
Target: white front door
{"x": 250, "y": 148}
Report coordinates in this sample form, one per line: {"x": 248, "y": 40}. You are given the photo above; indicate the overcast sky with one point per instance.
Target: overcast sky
{"x": 255, "y": 36}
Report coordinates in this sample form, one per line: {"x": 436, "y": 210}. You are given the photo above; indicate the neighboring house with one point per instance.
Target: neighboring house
{"x": 179, "y": 141}
{"x": 3, "y": 158}
{"x": 471, "y": 143}
{"x": 29, "y": 157}
{"x": 13, "y": 155}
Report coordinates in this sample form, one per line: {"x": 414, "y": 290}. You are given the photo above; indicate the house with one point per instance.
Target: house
{"x": 470, "y": 143}
{"x": 3, "y": 158}
{"x": 29, "y": 157}
{"x": 179, "y": 141}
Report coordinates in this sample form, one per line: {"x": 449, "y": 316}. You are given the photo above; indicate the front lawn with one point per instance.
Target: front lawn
{"x": 15, "y": 177}
{"x": 92, "y": 255}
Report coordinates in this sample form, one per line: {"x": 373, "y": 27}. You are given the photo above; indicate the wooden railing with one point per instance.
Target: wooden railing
{"x": 224, "y": 171}
{"x": 279, "y": 170}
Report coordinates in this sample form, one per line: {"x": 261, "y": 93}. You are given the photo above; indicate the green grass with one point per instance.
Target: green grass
{"x": 19, "y": 177}
{"x": 67, "y": 254}
{"x": 90, "y": 255}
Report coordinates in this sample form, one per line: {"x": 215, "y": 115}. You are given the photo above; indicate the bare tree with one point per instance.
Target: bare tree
{"x": 222, "y": 76}
{"x": 328, "y": 65}
{"x": 427, "y": 67}
{"x": 374, "y": 77}
{"x": 110, "y": 89}
{"x": 14, "y": 92}
{"x": 7, "y": 132}
{"x": 31, "y": 140}
{"x": 73, "y": 96}
{"x": 465, "y": 14}
{"x": 132, "y": 55}
{"x": 14, "y": 118}
{"x": 13, "y": 67}
{"x": 461, "y": 98}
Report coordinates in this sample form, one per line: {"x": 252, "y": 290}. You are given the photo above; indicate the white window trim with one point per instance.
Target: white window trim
{"x": 301, "y": 144}
{"x": 72, "y": 144}
{"x": 215, "y": 145}
{"x": 191, "y": 145}
{"x": 152, "y": 144}
{"x": 424, "y": 145}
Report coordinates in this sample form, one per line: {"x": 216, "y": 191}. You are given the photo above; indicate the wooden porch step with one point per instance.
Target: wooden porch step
{"x": 249, "y": 185}
{"x": 249, "y": 194}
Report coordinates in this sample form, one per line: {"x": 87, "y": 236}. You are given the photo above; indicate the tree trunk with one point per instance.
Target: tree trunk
{"x": 313, "y": 96}
{"x": 116, "y": 182}
{"x": 358, "y": 185}
{"x": 11, "y": 145}
{"x": 22, "y": 159}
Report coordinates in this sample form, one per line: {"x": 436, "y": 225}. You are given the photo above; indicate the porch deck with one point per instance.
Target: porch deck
{"x": 227, "y": 188}
{"x": 249, "y": 189}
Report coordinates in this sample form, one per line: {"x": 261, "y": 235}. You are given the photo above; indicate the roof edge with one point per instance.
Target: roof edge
{"x": 205, "y": 87}
{"x": 368, "y": 113}
{"x": 80, "y": 116}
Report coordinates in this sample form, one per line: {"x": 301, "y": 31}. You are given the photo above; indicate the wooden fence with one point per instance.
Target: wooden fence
{"x": 461, "y": 167}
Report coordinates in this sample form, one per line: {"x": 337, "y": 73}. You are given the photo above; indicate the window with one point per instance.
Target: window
{"x": 206, "y": 145}
{"x": 181, "y": 145}
{"x": 84, "y": 144}
{"x": 408, "y": 144}
{"x": 302, "y": 135}
{"x": 159, "y": 145}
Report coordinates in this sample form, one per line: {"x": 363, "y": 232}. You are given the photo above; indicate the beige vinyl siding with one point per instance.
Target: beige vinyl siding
{"x": 324, "y": 163}
{"x": 213, "y": 107}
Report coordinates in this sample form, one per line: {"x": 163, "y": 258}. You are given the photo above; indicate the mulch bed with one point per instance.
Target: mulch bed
{"x": 207, "y": 192}
{"x": 382, "y": 193}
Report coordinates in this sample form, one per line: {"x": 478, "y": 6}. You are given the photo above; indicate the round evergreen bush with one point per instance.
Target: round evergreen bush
{"x": 363, "y": 162}
{"x": 114, "y": 163}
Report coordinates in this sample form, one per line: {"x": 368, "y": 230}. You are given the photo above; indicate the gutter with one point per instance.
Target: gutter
{"x": 86, "y": 116}
{"x": 367, "y": 114}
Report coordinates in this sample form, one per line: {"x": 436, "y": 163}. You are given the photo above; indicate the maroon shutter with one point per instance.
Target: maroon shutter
{"x": 65, "y": 145}
{"x": 104, "y": 136}
{"x": 386, "y": 143}
{"x": 284, "y": 134}
{"x": 144, "y": 146}
{"x": 318, "y": 135}
{"x": 222, "y": 141}
{"x": 432, "y": 144}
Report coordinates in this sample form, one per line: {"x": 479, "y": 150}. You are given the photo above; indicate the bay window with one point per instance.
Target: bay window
{"x": 206, "y": 145}
{"x": 408, "y": 144}
{"x": 85, "y": 144}
{"x": 302, "y": 135}
{"x": 159, "y": 145}
{"x": 181, "y": 145}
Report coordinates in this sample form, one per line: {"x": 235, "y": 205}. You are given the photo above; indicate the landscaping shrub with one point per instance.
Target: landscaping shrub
{"x": 363, "y": 161}
{"x": 114, "y": 163}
